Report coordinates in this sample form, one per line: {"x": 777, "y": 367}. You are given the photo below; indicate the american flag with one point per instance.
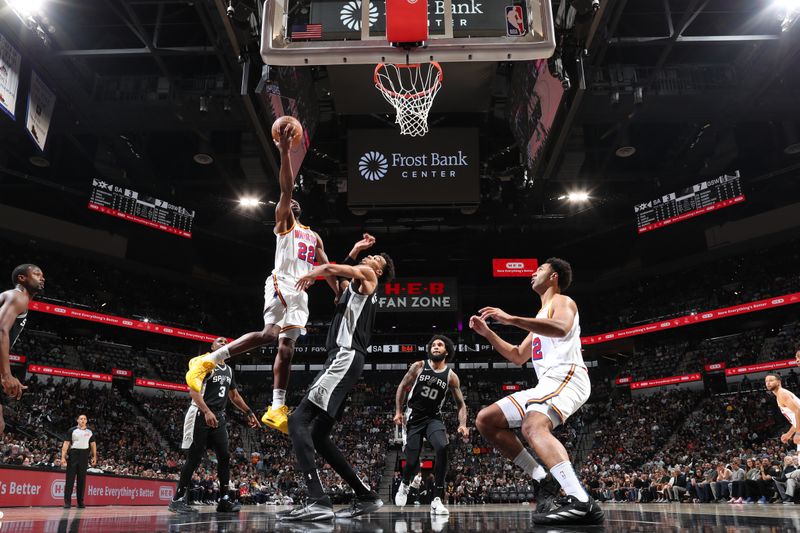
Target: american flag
{"x": 307, "y": 31}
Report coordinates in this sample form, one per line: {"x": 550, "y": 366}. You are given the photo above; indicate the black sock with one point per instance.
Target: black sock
{"x": 179, "y": 494}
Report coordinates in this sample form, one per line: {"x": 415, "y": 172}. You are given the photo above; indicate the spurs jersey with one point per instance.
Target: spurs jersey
{"x": 788, "y": 413}
{"x": 428, "y": 394}
{"x": 549, "y": 352}
{"x": 295, "y": 253}
{"x": 351, "y": 326}
{"x": 216, "y": 387}
{"x": 17, "y": 326}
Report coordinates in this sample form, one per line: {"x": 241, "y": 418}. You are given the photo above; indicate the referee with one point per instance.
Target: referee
{"x": 204, "y": 427}
{"x": 78, "y": 443}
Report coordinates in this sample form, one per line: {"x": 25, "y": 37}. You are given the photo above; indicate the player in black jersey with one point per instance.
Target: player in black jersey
{"x": 204, "y": 427}
{"x": 28, "y": 281}
{"x": 311, "y": 423}
{"x": 429, "y": 382}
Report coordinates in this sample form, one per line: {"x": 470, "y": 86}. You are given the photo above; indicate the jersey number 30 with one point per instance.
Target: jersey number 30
{"x": 536, "y": 349}
{"x": 430, "y": 393}
{"x": 306, "y": 252}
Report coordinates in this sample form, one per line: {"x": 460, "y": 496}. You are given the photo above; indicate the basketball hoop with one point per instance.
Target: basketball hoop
{"x": 410, "y": 88}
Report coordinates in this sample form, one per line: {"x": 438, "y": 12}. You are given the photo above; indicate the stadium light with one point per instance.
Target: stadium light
{"x": 788, "y": 12}
{"x": 249, "y": 201}
{"x": 577, "y": 196}
{"x": 26, "y": 8}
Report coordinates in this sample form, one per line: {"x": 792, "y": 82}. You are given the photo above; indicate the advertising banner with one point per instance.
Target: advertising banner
{"x": 663, "y": 382}
{"x": 741, "y": 309}
{"x": 166, "y": 385}
{"x": 10, "y": 60}
{"x": 14, "y": 358}
{"x": 623, "y": 380}
{"x": 715, "y": 367}
{"x": 760, "y": 367}
{"x": 68, "y": 373}
{"x": 111, "y": 320}
{"x": 390, "y": 169}
{"x": 419, "y": 294}
{"x": 514, "y": 268}
{"x": 41, "y": 102}
{"x": 121, "y": 372}
{"x": 27, "y": 487}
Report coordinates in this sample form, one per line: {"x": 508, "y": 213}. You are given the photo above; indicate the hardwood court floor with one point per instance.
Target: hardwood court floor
{"x": 624, "y": 518}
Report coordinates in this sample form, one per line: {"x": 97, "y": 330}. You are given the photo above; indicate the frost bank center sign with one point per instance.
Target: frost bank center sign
{"x": 389, "y": 169}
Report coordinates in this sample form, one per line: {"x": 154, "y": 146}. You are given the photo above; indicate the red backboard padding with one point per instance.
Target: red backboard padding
{"x": 406, "y": 21}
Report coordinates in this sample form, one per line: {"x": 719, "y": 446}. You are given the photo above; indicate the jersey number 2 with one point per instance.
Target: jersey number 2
{"x": 306, "y": 252}
{"x": 536, "y": 349}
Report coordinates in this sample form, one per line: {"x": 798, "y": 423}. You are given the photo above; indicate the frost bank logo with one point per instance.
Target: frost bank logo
{"x": 373, "y": 166}
{"x": 350, "y": 15}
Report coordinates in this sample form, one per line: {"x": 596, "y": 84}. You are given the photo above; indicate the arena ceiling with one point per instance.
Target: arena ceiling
{"x": 144, "y": 85}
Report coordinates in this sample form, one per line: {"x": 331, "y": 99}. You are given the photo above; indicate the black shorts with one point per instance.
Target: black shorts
{"x": 333, "y": 384}
{"x": 196, "y": 432}
{"x": 413, "y": 433}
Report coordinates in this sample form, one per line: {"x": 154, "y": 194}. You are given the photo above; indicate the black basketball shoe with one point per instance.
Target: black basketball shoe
{"x": 572, "y": 511}
{"x": 361, "y": 505}
{"x": 180, "y": 506}
{"x": 319, "y": 509}
{"x": 548, "y": 490}
{"x": 228, "y": 506}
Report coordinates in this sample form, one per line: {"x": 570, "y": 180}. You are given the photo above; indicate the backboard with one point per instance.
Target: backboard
{"x": 337, "y": 32}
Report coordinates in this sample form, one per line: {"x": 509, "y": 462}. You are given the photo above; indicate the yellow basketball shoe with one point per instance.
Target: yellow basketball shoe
{"x": 199, "y": 367}
{"x": 277, "y": 418}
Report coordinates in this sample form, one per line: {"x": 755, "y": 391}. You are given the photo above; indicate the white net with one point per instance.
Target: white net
{"x": 411, "y": 90}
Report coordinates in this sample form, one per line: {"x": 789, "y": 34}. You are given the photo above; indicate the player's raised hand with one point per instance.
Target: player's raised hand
{"x": 464, "y": 431}
{"x": 496, "y": 314}
{"x": 478, "y": 325}
{"x": 399, "y": 419}
{"x": 11, "y": 386}
{"x": 284, "y": 142}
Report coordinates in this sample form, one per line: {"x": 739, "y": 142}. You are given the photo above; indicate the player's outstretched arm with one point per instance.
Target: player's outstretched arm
{"x": 283, "y": 210}
{"x": 557, "y": 325}
{"x": 455, "y": 388}
{"x": 362, "y": 273}
{"x": 400, "y": 396}
{"x": 12, "y": 304}
{"x": 515, "y": 354}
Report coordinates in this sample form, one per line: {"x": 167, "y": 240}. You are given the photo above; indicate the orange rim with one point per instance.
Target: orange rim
{"x": 377, "y": 80}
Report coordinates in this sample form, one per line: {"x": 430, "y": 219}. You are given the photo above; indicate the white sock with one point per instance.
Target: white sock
{"x": 278, "y": 398}
{"x": 565, "y": 475}
{"x": 527, "y": 463}
{"x": 219, "y": 356}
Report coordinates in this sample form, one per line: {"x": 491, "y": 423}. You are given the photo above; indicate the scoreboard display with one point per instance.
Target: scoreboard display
{"x": 130, "y": 205}
{"x": 698, "y": 199}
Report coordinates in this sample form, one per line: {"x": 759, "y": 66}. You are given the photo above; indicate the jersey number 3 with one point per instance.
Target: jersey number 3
{"x": 536, "y": 349}
{"x": 306, "y": 252}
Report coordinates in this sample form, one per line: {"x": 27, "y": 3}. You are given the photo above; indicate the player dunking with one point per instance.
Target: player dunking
{"x": 204, "y": 427}
{"x": 28, "y": 281}
{"x": 312, "y": 422}
{"x": 285, "y": 308}
{"x": 554, "y": 345}
{"x": 789, "y": 405}
{"x": 429, "y": 381}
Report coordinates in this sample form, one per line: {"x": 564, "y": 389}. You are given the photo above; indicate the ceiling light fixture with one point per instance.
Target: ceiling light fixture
{"x": 249, "y": 201}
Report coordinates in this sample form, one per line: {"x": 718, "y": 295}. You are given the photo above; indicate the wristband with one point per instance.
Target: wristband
{"x": 349, "y": 261}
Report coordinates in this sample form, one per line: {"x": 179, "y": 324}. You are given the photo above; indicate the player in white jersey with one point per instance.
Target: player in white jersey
{"x": 789, "y": 405}
{"x": 297, "y": 249}
{"x": 553, "y": 344}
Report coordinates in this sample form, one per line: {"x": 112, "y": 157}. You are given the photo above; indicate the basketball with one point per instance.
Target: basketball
{"x": 284, "y": 121}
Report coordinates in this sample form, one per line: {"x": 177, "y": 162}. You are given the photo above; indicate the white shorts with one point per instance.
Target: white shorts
{"x": 285, "y": 307}
{"x": 561, "y": 391}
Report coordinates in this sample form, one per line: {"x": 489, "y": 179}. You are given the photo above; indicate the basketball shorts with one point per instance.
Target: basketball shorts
{"x": 333, "y": 384}
{"x": 561, "y": 391}
{"x": 197, "y": 433}
{"x": 414, "y": 432}
{"x": 285, "y": 306}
